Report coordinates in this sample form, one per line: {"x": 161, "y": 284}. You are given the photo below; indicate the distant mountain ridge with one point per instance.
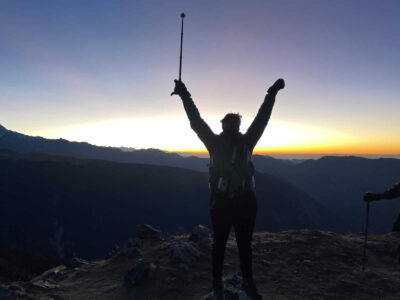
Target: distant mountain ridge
{"x": 84, "y": 206}
{"x": 337, "y": 183}
{"x": 23, "y": 143}
{"x": 3, "y": 130}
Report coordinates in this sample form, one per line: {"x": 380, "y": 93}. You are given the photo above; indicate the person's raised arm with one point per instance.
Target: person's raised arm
{"x": 199, "y": 126}
{"x": 258, "y": 125}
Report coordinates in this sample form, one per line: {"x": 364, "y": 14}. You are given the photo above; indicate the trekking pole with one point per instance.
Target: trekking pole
{"x": 180, "y": 57}
{"x": 365, "y": 238}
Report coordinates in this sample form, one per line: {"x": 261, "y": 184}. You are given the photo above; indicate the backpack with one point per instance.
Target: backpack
{"x": 230, "y": 176}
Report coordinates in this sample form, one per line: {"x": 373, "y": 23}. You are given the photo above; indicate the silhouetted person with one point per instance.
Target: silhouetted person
{"x": 388, "y": 194}
{"x": 232, "y": 197}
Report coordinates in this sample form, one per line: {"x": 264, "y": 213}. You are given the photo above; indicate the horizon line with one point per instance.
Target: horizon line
{"x": 271, "y": 152}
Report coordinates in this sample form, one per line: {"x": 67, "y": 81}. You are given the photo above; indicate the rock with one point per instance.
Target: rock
{"x": 184, "y": 254}
{"x": 129, "y": 252}
{"x": 54, "y": 271}
{"x": 235, "y": 281}
{"x": 208, "y": 297}
{"x": 232, "y": 290}
{"x": 138, "y": 273}
{"x": 77, "y": 262}
{"x": 133, "y": 243}
{"x": 44, "y": 284}
{"x": 131, "y": 248}
{"x": 145, "y": 232}
{"x": 231, "y": 245}
{"x": 229, "y": 294}
{"x": 201, "y": 235}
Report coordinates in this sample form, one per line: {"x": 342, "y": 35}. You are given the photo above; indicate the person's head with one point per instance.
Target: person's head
{"x": 231, "y": 123}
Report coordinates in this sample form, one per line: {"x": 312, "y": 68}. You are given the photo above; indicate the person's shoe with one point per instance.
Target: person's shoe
{"x": 278, "y": 85}
{"x": 218, "y": 290}
{"x": 250, "y": 288}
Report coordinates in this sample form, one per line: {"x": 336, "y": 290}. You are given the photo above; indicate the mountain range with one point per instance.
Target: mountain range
{"x": 63, "y": 194}
{"x": 84, "y": 207}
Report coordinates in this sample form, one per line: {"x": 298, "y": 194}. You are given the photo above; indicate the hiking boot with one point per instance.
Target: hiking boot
{"x": 250, "y": 288}
{"x": 218, "y": 290}
{"x": 278, "y": 85}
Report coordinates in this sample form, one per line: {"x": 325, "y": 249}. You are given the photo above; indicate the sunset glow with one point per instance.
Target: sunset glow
{"x": 279, "y": 137}
{"x": 66, "y": 75}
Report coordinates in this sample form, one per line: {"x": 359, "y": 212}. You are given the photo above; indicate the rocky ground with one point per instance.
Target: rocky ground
{"x": 300, "y": 264}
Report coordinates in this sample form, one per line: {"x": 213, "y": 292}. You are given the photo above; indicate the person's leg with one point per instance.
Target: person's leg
{"x": 221, "y": 225}
{"x": 243, "y": 223}
{"x": 221, "y": 220}
{"x": 244, "y": 234}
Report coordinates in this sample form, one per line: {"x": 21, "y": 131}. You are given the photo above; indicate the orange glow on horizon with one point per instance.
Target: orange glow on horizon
{"x": 345, "y": 150}
{"x": 281, "y": 138}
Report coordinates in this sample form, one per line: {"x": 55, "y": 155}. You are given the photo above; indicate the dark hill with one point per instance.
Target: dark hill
{"x": 339, "y": 183}
{"x": 84, "y": 207}
{"x": 24, "y": 143}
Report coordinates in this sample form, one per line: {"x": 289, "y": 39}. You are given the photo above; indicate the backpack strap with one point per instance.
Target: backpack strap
{"x": 234, "y": 155}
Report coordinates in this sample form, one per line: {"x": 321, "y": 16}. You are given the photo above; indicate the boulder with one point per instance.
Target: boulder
{"x": 145, "y": 231}
{"x": 138, "y": 273}
{"x": 235, "y": 281}
{"x": 232, "y": 290}
{"x": 184, "y": 254}
{"x": 130, "y": 249}
{"x": 201, "y": 235}
{"x": 76, "y": 262}
{"x": 45, "y": 284}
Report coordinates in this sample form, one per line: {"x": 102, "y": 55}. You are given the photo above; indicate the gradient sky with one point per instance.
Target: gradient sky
{"x": 102, "y": 71}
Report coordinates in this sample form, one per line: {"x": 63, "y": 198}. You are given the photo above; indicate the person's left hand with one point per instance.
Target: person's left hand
{"x": 278, "y": 85}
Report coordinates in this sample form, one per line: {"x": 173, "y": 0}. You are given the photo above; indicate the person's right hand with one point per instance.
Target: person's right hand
{"x": 180, "y": 89}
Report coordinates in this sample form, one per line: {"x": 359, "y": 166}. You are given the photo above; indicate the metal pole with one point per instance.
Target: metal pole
{"x": 180, "y": 57}
{"x": 365, "y": 238}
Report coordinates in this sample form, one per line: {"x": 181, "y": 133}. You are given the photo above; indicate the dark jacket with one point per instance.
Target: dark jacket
{"x": 220, "y": 147}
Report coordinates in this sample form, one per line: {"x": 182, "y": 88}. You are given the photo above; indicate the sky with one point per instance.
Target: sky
{"x": 102, "y": 71}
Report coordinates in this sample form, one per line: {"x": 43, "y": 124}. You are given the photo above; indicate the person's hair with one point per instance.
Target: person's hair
{"x": 232, "y": 117}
